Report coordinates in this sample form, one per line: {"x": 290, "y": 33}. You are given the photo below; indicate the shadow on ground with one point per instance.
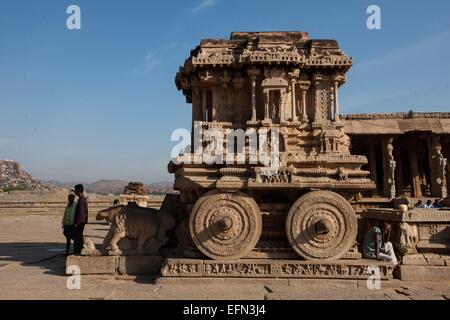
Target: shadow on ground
{"x": 45, "y": 255}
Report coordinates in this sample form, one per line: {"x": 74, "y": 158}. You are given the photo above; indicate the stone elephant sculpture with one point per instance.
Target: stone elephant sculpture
{"x": 146, "y": 226}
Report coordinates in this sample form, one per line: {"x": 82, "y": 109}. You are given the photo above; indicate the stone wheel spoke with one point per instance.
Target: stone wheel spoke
{"x": 225, "y": 226}
{"x": 321, "y": 225}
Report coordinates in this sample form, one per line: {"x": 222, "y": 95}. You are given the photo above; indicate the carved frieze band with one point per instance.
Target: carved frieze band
{"x": 269, "y": 269}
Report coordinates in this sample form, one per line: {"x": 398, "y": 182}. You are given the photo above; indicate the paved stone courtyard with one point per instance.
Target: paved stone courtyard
{"x": 32, "y": 267}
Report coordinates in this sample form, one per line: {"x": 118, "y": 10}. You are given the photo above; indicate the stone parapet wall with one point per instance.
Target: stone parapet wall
{"x": 396, "y": 115}
{"x": 53, "y": 203}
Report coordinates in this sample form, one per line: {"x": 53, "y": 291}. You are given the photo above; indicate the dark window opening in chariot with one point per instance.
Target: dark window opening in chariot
{"x": 209, "y": 108}
{"x": 274, "y": 105}
{"x": 379, "y": 167}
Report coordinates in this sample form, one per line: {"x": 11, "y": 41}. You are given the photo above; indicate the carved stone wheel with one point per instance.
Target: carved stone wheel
{"x": 321, "y": 225}
{"x": 225, "y": 225}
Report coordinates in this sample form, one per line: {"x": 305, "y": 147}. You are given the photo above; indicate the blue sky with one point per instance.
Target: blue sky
{"x": 101, "y": 102}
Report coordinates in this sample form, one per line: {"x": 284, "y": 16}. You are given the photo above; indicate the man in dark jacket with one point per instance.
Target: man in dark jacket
{"x": 81, "y": 218}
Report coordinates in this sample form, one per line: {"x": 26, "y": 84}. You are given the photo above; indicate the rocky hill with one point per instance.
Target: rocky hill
{"x": 13, "y": 177}
{"x": 116, "y": 186}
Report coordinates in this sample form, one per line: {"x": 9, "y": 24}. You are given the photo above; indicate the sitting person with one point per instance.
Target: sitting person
{"x": 437, "y": 204}
{"x": 419, "y": 204}
{"x": 375, "y": 245}
{"x": 428, "y": 205}
{"x": 68, "y": 221}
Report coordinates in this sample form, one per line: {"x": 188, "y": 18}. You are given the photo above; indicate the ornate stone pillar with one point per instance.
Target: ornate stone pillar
{"x": 316, "y": 112}
{"x": 338, "y": 80}
{"x": 252, "y": 74}
{"x": 304, "y": 86}
{"x": 266, "y": 105}
{"x": 293, "y": 101}
{"x": 389, "y": 165}
{"x": 294, "y": 75}
{"x": 336, "y": 101}
{"x": 415, "y": 178}
{"x": 373, "y": 163}
{"x": 204, "y": 103}
{"x": 253, "y": 78}
{"x": 448, "y": 177}
{"x": 399, "y": 172}
{"x": 282, "y": 104}
{"x": 197, "y": 115}
{"x": 438, "y": 169}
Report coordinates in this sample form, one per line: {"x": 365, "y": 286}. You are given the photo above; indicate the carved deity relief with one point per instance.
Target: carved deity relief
{"x": 441, "y": 164}
{"x": 274, "y": 104}
{"x": 439, "y": 168}
{"x": 391, "y": 165}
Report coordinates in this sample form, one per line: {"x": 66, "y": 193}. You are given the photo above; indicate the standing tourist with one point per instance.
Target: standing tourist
{"x": 81, "y": 218}
{"x": 68, "y": 221}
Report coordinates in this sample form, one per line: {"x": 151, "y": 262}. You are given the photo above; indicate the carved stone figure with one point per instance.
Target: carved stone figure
{"x": 89, "y": 248}
{"x": 438, "y": 169}
{"x": 391, "y": 168}
{"x": 409, "y": 236}
{"x": 342, "y": 174}
{"x": 143, "y": 225}
{"x": 441, "y": 164}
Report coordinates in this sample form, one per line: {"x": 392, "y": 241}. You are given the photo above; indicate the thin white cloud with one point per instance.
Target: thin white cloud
{"x": 205, "y": 4}
{"x": 154, "y": 58}
{"x": 406, "y": 77}
{"x": 418, "y": 48}
{"x": 151, "y": 62}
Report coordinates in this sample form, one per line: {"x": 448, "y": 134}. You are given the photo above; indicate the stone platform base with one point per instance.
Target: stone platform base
{"x": 264, "y": 268}
{"x": 115, "y": 265}
{"x": 424, "y": 273}
{"x": 425, "y": 267}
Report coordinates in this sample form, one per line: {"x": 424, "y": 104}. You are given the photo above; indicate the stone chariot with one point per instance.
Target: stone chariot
{"x": 282, "y": 82}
